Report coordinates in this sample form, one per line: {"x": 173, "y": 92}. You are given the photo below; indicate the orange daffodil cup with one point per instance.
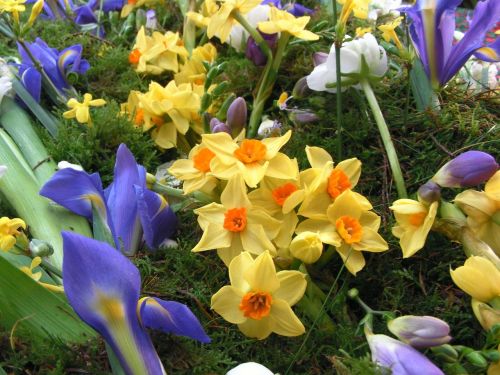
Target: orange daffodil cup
{"x": 259, "y": 299}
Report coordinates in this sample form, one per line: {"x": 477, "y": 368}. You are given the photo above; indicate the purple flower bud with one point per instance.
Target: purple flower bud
{"x": 468, "y": 169}
{"x": 401, "y": 358}
{"x": 301, "y": 117}
{"x": 301, "y": 89}
{"x": 319, "y": 58}
{"x": 217, "y": 126}
{"x": 429, "y": 192}
{"x": 253, "y": 51}
{"x": 297, "y": 10}
{"x": 151, "y": 21}
{"x": 236, "y": 117}
{"x": 420, "y": 331}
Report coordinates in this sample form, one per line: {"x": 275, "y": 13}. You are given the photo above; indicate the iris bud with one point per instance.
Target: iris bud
{"x": 217, "y": 126}
{"x": 420, "y": 331}
{"x": 429, "y": 192}
{"x": 307, "y": 247}
{"x": 236, "y": 117}
{"x": 302, "y": 117}
{"x": 39, "y": 248}
{"x": 300, "y": 89}
{"x": 468, "y": 169}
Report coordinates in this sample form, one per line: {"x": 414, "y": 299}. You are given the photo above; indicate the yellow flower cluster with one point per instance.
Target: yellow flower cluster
{"x": 9, "y": 230}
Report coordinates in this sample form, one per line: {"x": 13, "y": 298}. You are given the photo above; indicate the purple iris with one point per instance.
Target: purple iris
{"x": 57, "y": 65}
{"x": 103, "y": 287}
{"x": 432, "y": 30}
{"x": 131, "y": 211}
{"x": 294, "y": 8}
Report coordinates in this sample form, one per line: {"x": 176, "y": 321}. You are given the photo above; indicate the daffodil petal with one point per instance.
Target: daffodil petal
{"x": 292, "y": 286}
{"x": 226, "y": 303}
{"x": 214, "y": 237}
{"x": 353, "y": 259}
{"x": 285, "y": 321}
{"x": 317, "y": 156}
{"x": 261, "y": 276}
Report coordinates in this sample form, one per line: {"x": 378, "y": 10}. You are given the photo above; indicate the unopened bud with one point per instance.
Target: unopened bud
{"x": 301, "y": 117}
{"x": 468, "y": 169}
{"x": 35, "y": 11}
{"x": 253, "y": 51}
{"x": 429, "y": 192}
{"x": 476, "y": 359}
{"x": 40, "y": 248}
{"x": 217, "y": 126}
{"x": 300, "y": 89}
{"x": 151, "y": 21}
{"x": 236, "y": 117}
{"x": 420, "y": 331}
{"x": 307, "y": 247}
{"x": 485, "y": 314}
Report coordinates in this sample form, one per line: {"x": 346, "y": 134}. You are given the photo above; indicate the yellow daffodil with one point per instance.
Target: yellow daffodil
{"x": 133, "y": 4}
{"x": 38, "y": 275}
{"x": 81, "y": 111}
{"x": 9, "y": 230}
{"x": 283, "y": 21}
{"x": 483, "y": 211}
{"x": 359, "y": 7}
{"x": 389, "y": 32}
{"x": 14, "y": 7}
{"x": 208, "y": 9}
{"x": 157, "y": 53}
{"x": 235, "y": 225}
{"x": 193, "y": 70}
{"x": 360, "y": 31}
{"x": 223, "y": 20}
{"x": 35, "y": 12}
{"x": 259, "y": 299}
{"x": 325, "y": 183}
{"x": 479, "y": 278}
{"x": 195, "y": 171}
{"x": 251, "y": 158}
{"x": 169, "y": 109}
{"x": 350, "y": 227}
{"x": 414, "y": 221}
{"x": 279, "y": 198}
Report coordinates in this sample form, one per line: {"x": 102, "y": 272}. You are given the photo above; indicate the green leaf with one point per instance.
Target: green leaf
{"x": 46, "y": 119}
{"x": 28, "y": 305}
{"x": 2, "y": 371}
{"x": 421, "y": 86}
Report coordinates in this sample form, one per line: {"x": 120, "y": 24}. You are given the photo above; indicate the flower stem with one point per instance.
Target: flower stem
{"x": 386, "y": 139}
{"x": 338, "y": 44}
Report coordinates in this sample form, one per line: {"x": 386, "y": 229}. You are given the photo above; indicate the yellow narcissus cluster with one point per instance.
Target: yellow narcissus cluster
{"x": 157, "y": 53}
{"x": 193, "y": 71}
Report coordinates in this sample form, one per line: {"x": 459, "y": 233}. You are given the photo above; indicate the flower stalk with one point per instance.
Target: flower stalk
{"x": 386, "y": 139}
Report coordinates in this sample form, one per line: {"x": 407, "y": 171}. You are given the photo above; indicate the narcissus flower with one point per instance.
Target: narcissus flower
{"x": 251, "y": 158}
{"x": 414, "y": 222}
{"x": 223, "y": 20}
{"x": 81, "y": 111}
{"x": 259, "y": 299}
{"x": 358, "y": 7}
{"x": 483, "y": 211}
{"x": 202, "y": 19}
{"x": 195, "y": 171}
{"x": 9, "y": 230}
{"x": 157, "y": 53}
{"x": 193, "y": 70}
{"x": 282, "y": 21}
{"x": 389, "y": 32}
{"x": 235, "y": 225}
{"x": 326, "y": 182}
{"x": 479, "y": 278}
{"x": 351, "y": 227}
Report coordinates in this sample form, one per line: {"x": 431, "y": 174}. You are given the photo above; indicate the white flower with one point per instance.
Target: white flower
{"x": 250, "y": 368}
{"x": 64, "y": 164}
{"x": 239, "y": 36}
{"x": 380, "y": 8}
{"x": 269, "y": 128}
{"x": 350, "y": 62}
{"x": 5, "y": 80}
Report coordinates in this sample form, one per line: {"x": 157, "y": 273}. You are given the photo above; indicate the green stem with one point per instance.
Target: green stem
{"x": 254, "y": 34}
{"x": 338, "y": 100}
{"x": 386, "y": 139}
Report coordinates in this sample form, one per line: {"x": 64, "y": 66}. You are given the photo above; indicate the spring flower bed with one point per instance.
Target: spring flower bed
{"x": 249, "y": 187}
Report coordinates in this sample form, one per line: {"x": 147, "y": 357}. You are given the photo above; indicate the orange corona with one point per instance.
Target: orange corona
{"x": 256, "y": 305}
{"x": 235, "y": 219}
{"x": 349, "y": 229}
{"x": 251, "y": 151}
{"x": 202, "y": 159}
{"x": 134, "y": 56}
{"x": 417, "y": 219}
{"x": 281, "y": 193}
{"x": 337, "y": 183}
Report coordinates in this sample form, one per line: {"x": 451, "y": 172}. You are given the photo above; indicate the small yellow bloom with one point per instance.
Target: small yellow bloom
{"x": 235, "y": 225}
{"x": 283, "y": 21}
{"x": 251, "y": 158}
{"x": 307, "y": 247}
{"x": 38, "y": 275}
{"x": 414, "y": 220}
{"x": 389, "y": 32}
{"x": 14, "y": 7}
{"x": 222, "y": 21}
{"x": 157, "y": 53}
{"x": 479, "y": 278}
{"x": 351, "y": 227}
{"x": 35, "y": 11}
{"x": 193, "y": 70}
{"x": 359, "y": 7}
{"x": 81, "y": 111}
{"x": 209, "y": 8}
{"x": 360, "y": 31}
{"x": 324, "y": 183}
{"x": 259, "y": 299}
{"x": 195, "y": 171}
{"x": 483, "y": 211}
{"x": 9, "y": 230}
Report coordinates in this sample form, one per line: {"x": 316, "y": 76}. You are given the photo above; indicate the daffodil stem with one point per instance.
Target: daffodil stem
{"x": 52, "y": 269}
{"x": 386, "y": 139}
{"x": 338, "y": 98}
{"x": 178, "y": 193}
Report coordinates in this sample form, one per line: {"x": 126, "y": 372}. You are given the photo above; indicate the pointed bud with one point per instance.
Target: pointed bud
{"x": 301, "y": 89}
{"x": 429, "y": 192}
{"x": 477, "y": 359}
{"x": 420, "y": 331}
{"x": 253, "y": 51}
{"x": 217, "y": 126}
{"x": 35, "y": 12}
{"x": 307, "y": 247}
{"x": 301, "y": 117}
{"x": 468, "y": 169}
{"x": 485, "y": 314}
{"x": 236, "y": 118}
{"x": 151, "y": 20}
{"x": 39, "y": 248}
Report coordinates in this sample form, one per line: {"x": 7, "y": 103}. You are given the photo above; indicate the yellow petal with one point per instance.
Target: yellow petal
{"x": 476, "y": 204}
{"x": 292, "y": 286}
{"x": 344, "y": 205}
{"x": 235, "y": 194}
{"x": 82, "y": 114}
{"x": 229, "y": 253}
{"x": 281, "y": 166}
{"x": 226, "y": 303}
{"x": 274, "y": 144}
{"x": 237, "y": 269}
{"x": 352, "y": 168}
{"x": 289, "y": 223}
{"x": 214, "y": 237}
{"x": 254, "y": 240}
{"x": 370, "y": 241}
{"x": 324, "y": 228}
{"x": 222, "y": 145}
{"x": 317, "y": 156}
{"x": 492, "y": 187}
{"x": 293, "y": 201}
{"x": 285, "y": 322}
{"x": 354, "y": 260}
{"x": 479, "y": 278}
{"x": 252, "y": 172}
{"x": 259, "y": 329}
{"x": 261, "y": 275}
